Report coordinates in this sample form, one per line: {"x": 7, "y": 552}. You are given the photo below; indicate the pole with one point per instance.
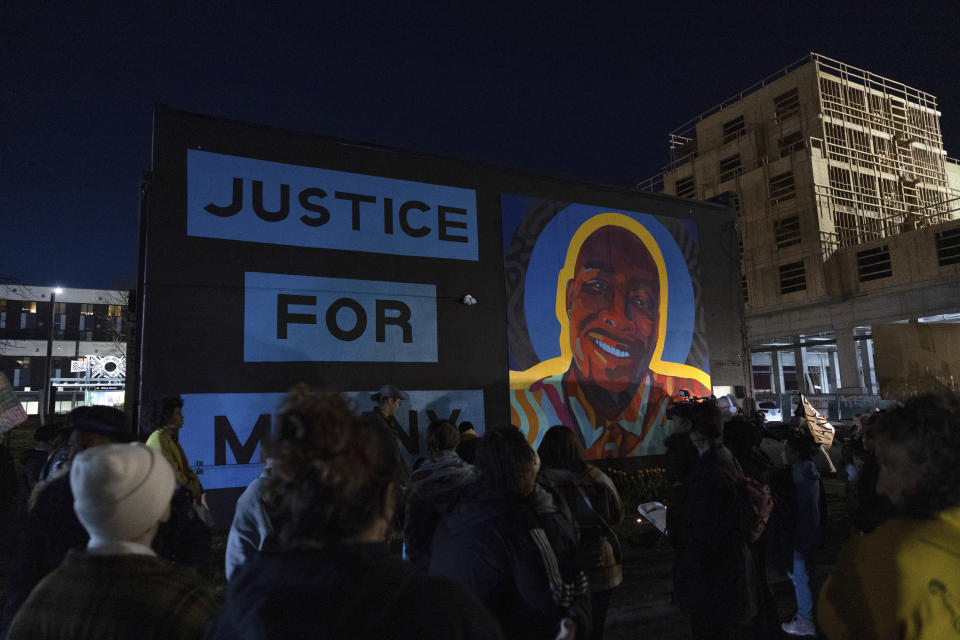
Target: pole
{"x": 50, "y": 397}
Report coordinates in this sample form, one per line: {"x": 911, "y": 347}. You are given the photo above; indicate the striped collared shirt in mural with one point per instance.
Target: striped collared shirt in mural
{"x": 639, "y": 430}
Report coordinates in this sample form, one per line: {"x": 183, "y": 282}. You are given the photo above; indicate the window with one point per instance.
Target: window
{"x": 793, "y": 277}
{"x": 730, "y": 168}
{"x": 686, "y": 188}
{"x": 873, "y": 264}
{"x": 86, "y": 317}
{"x": 948, "y": 247}
{"x": 841, "y": 187}
{"x": 28, "y": 315}
{"x": 114, "y": 310}
{"x": 860, "y": 141}
{"x": 762, "y": 377}
{"x": 59, "y": 316}
{"x": 733, "y": 130}
{"x": 782, "y": 187}
{"x": 836, "y": 137}
{"x": 746, "y": 292}
{"x": 790, "y": 377}
{"x": 882, "y": 146}
{"x": 869, "y": 200}
{"x": 856, "y": 98}
{"x": 3, "y": 314}
{"x": 787, "y": 231}
{"x": 830, "y": 90}
{"x": 787, "y": 104}
{"x": 791, "y": 143}
{"x": 21, "y": 373}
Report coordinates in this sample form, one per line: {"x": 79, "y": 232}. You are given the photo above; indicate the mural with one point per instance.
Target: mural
{"x": 604, "y": 319}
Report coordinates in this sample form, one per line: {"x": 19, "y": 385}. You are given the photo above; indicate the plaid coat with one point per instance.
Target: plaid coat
{"x": 113, "y": 597}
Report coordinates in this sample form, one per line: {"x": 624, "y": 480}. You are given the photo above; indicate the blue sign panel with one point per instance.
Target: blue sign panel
{"x": 238, "y": 198}
{"x": 291, "y": 318}
{"x": 222, "y": 432}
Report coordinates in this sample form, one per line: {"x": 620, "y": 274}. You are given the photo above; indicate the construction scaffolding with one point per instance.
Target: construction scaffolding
{"x": 886, "y": 169}
{"x": 885, "y": 158}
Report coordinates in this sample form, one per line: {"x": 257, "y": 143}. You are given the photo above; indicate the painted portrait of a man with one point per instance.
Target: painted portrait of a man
{"x": 610, "y": 383}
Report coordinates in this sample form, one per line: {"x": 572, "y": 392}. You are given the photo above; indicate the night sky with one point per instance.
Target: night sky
{"x": 546, "y": 87}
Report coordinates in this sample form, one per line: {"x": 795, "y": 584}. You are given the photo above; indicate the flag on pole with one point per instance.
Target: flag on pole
{"x": 822, "y": 430}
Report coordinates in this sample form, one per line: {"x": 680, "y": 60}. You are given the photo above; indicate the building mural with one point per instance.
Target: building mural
{"x": 605, "y": 323}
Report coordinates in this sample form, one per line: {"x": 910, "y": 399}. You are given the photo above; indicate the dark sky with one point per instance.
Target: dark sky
{"x": 551, "y": 87}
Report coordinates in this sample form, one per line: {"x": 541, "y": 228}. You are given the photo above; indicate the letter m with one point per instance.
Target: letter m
{"x": 223, "y": 435}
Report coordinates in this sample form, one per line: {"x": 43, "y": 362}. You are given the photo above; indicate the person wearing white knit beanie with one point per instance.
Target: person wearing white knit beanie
{"x": 117, "y": 587}
{"x": 121, "y": 493}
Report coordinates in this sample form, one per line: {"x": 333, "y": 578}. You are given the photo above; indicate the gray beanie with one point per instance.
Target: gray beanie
{"x": 120, "y": 491}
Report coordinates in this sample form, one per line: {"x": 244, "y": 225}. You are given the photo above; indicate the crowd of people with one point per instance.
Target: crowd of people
{"x": 498, "y": 539}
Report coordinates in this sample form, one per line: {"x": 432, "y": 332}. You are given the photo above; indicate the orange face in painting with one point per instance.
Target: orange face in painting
{"x": 613, "y": 305}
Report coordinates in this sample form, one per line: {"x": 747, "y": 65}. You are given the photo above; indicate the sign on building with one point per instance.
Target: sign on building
{"x": 273, "y": 257}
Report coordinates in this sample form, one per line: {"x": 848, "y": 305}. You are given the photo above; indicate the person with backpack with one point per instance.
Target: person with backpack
{"x": 799, "y": 448}
{"x": 714, "y": 578}
{"x": 594, "y": 507}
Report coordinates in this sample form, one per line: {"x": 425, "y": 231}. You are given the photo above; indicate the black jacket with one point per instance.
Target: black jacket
{"x": 52, "y": 529}
{"x": 486, "y": 545}
{"x": 714, "y": 569}
{"x": 350, "y": 591}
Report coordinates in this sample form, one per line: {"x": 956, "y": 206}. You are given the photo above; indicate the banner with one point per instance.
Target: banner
{"x": 11, "y": 411}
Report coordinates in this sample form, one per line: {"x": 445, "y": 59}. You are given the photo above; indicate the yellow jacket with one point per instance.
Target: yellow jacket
{"x": 900, "y": 581}
{"x": 165, "y": 445}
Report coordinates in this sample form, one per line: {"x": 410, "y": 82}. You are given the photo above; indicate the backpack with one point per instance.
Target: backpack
{"x": 754, "y": 504}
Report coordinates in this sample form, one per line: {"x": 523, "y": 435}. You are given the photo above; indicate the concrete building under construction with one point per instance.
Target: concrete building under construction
{"x": 848, "y": 219}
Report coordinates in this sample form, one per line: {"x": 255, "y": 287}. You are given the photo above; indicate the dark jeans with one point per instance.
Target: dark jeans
{"x": 599, "y": 604}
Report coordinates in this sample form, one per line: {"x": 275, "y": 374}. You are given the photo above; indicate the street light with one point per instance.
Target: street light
{"x": 50, "y": 397}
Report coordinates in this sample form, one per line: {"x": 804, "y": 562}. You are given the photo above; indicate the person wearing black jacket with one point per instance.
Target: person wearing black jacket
{"x": 714, "y": 575}
{"x": 333, "y": 488}
{"x": 51, "y": 528}
{"x": 510, "y": 546}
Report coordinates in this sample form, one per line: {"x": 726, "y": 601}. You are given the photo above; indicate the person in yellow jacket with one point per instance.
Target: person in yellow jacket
{"x": 903, "y": 579}
{"x": 164, "y": 442}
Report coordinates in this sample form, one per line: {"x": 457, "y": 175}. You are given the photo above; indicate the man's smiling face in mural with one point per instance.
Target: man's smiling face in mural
{"x": 613, "y": 306}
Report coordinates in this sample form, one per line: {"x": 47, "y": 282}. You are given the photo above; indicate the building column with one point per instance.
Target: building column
{"x": 849, "y": 369}
{"x": 800, "y": 358}
{"x": 835, "y": 363}
{"x": 776, "y": 370}
{"x": 869, "y": 371}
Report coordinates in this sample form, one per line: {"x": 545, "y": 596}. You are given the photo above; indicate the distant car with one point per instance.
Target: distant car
{"x": 770, "y": 411}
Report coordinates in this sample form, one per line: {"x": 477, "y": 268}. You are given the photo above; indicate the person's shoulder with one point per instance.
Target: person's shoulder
{"x": 52, "y": 492}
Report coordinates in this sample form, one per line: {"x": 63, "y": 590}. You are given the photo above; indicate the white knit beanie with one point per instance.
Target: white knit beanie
{"x": 120, "y": 490}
